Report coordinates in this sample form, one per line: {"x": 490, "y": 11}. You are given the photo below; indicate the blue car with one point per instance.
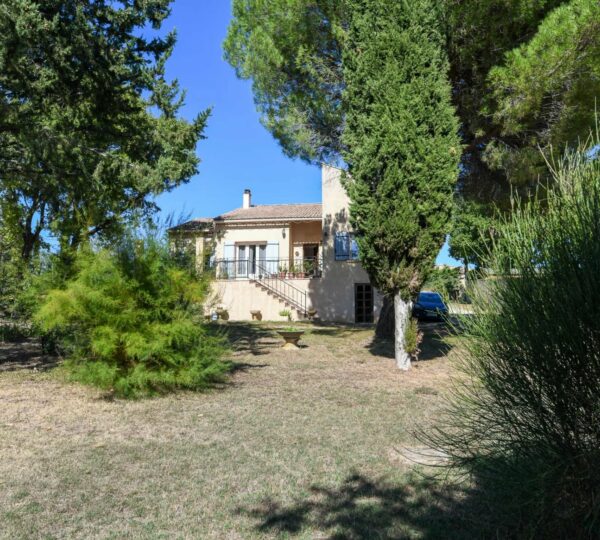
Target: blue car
{"x": 430, "y": 305}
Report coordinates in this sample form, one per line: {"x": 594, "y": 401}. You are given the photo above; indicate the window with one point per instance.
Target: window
{"x": 251, "y": 258}
{"x": 363, "y": 303}
{"x": 346, "y": 247}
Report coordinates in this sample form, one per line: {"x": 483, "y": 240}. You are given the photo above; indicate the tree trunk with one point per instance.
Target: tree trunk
{"x": 386, "y": 325}
{"x": 402, "y": 314}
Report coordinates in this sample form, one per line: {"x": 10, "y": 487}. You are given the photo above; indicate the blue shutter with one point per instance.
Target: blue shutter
{"x": 353, "y": 248}
{"x": 341, "y": 246}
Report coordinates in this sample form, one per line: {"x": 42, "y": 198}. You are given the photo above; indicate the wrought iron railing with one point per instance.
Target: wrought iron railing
{"x": 284, "y": 269}
{"x": 283, "y": 289}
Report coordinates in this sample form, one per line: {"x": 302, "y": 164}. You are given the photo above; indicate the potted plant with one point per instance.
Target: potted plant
{"x": 286, "y": 313}
{"x": 299, "y": 271}
{"x": 282, "y": 271}
{"x": 291, "y": 337}
{"x": 309, "y": 267}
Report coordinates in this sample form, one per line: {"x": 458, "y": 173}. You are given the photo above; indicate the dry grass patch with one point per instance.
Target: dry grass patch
{"x": 302, "y": 443}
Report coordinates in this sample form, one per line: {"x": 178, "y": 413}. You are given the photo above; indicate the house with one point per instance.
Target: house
{"x": 300, "y": 258}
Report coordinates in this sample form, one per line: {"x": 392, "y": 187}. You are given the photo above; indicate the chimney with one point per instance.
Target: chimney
{"x": 247, "y": 199}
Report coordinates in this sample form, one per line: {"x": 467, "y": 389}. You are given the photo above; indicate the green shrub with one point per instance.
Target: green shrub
{"x": 526, "y": 421}
{"x": 413, "y": 338}
{"x": 130, "y": 321}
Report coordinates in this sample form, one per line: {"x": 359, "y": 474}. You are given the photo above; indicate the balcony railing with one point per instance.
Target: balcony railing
{"x": 308, "y": 268}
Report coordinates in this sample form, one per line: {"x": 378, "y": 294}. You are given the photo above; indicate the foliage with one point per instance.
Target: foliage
{"x": 401, "y": 134}
{"x": 527, "y": 418}
{"x": 472, "y": 230}
{"x": 130, "y": 321}
{"x": 413, "y": 339}
{"x": 89, "y": 130}
{"x": 525, "y": 75}
{"x": 446, "y": 281}
{"x": 11, "y": 271}
{"x": 292, "y": 51}
{"x": 286, "y": 313}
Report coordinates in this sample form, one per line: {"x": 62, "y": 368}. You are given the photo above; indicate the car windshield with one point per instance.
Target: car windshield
{"x": 430, "y": 297}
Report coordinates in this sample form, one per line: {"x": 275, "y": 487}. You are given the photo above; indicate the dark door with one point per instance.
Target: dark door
{"x": 363, "y": 303}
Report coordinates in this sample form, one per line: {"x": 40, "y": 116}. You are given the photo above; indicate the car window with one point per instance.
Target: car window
{"x": 429, "y": 297}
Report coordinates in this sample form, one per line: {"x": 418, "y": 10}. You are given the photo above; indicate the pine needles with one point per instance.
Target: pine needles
{"x": 130, "y": 321}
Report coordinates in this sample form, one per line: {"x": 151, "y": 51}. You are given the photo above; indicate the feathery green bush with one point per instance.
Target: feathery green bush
{"x": 526, "y": 420}
{"x": 130, "y": 321}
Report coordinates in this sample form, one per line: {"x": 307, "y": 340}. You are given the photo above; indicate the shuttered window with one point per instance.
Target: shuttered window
{"x": 346, "y": 247}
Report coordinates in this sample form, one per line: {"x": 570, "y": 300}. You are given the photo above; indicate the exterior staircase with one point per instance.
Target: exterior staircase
{"x": 280, "y": 288}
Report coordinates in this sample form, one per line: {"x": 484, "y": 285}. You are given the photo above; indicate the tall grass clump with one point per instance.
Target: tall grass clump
{"x": 525, "y": 419}
{"x": 131, "y": 321}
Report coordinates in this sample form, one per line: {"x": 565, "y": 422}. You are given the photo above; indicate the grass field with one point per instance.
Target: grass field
{"x": 315, "y": 443}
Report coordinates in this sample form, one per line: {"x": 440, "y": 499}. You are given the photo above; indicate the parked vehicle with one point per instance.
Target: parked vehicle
{"x": 430, "y": 305}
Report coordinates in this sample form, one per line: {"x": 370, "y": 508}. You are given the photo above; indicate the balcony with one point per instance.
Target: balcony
{"x": 228, "y": 269}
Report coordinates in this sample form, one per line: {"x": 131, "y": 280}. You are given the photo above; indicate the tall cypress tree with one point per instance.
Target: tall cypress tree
{"x": 402, "y": 144}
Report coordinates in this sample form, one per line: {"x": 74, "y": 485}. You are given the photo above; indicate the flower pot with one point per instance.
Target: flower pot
{"x": 291, "y": 338}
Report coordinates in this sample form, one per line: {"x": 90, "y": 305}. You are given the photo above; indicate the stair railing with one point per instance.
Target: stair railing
{"x": 291, "y": 294}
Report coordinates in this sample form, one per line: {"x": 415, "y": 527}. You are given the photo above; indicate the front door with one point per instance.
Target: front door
{"x": 363, "y": 303}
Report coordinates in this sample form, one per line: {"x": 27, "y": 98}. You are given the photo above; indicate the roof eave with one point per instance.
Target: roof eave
{"x": 268, "y": 220}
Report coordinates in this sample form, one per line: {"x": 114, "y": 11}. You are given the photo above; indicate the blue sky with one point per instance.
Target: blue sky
{"x": 239, "y": 152}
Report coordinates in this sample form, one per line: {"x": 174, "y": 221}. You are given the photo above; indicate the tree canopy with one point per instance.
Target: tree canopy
{"x": 89, "y": 131}
{"x": 292, "y": 51}
{"x": 524, "y": 76}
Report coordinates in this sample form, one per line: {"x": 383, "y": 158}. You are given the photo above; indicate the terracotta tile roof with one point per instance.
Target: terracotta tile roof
{"x": 198, "y": 224}
{"x": 274, "y": 212}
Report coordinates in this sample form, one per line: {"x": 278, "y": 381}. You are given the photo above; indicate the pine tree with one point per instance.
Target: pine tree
{"x": 403, "y": 146}
{"x": 89, "y": 130}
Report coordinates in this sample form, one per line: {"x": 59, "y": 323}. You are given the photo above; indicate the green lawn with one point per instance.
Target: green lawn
{"x": 314, "y": 443}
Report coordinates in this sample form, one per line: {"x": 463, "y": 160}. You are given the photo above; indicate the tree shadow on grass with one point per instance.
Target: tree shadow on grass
{"x": 245, "y": 367}
{"x": 25, "y": 353}
{"x": 434, "y": 345}
{"x": 336, "y": 329}
{"x": 248, "y": 338}
{"x": 362, "y": 508}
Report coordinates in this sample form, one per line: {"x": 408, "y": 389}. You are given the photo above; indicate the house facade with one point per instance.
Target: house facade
{"x": 296, "y": 258}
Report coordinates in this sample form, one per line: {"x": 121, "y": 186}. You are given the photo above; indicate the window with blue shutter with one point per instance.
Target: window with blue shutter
{"x": 346, "y": 248}
{"x": 342, "y": 247}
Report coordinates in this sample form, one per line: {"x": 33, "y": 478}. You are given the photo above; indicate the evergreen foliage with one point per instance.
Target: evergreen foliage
{"x": 526, "y": 420}
{"x": 89, "y": 131}
{"x": 131, "y": 321}
{"x": 292, "y": 51}
{"x": 445, "y": 281}
{"x": 472, "y": 230}
{"x": 523, "y": 75}
{"x": 401, "y": 135}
